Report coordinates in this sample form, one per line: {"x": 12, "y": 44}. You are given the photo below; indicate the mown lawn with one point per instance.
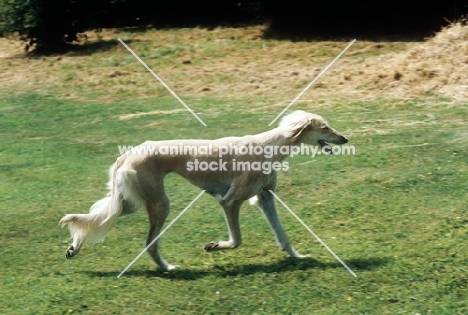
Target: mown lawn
{"x": 395, "y": 212}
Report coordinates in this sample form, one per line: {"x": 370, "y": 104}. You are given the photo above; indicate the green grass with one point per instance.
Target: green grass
{"x": 395, "y": 212}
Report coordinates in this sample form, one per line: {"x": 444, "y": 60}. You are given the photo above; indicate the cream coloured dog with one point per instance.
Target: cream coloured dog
{"x": 138, "y": 180}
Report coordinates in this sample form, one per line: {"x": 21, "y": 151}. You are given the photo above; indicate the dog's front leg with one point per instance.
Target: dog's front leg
{"x": 266, "y": 203}
{"x": 231, "y": 214}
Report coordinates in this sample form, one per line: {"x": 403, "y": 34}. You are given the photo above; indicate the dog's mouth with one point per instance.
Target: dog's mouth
{"x": 326, "y": 147}
{"x": 322, "y": 143}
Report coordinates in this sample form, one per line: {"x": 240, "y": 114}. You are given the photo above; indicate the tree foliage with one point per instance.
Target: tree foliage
{"x": 50, "y": 23}
{"x": 47, "y": 22}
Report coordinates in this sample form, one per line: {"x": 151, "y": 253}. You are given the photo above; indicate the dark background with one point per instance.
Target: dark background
{"x": 49, "y": 22}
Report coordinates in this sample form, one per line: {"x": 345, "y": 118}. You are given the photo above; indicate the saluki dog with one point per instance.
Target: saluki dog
{"x": 138, "y": 180}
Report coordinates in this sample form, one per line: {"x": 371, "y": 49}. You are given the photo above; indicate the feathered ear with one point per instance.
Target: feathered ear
{"x": 298, "y": 130}
{"x": 297, "y": 122}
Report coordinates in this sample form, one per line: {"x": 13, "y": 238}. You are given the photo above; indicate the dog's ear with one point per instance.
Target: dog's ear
{"x": 299, "y": 129}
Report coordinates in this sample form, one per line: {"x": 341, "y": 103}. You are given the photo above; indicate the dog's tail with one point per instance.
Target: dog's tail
{"x": 94, "y": 226}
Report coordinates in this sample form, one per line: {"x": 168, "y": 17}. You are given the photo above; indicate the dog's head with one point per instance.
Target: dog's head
{"x": 311, "y": 129}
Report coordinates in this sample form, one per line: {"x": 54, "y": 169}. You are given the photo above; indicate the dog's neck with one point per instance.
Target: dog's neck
{"x": 277, "y": 138}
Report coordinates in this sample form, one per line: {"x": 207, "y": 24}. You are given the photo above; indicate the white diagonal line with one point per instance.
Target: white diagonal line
{"x": 312, "y": 232}
{"x": 162, "y": 82}
{"x": 313, "y": 81}
{"x": 161, "y": 233}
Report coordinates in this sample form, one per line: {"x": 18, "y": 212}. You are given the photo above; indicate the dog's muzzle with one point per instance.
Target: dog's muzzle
{"x": 343, "y": 140}
{"x": 325, "y": 146}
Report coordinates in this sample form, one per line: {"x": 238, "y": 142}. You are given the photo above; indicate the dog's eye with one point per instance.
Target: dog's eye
{"x": 325, "y": 128}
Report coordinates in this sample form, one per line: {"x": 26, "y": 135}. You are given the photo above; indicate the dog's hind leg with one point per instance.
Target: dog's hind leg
{"x": 266, "y": 203}
{"x": 231, "y": 214}
{"x": 158, "y": 211}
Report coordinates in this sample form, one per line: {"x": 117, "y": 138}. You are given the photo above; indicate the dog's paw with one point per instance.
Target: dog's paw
{"x": 167, "y": 267}
{"x": 171, "y": 267}
{"x": 301, "y": 256}
{"x": 211, "y": 246}
{"x": 69, "y": 253}
{"x": 294, "y": 254}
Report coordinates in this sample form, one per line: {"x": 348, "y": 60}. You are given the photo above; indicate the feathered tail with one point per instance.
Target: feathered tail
{"x": 94, "y": 225}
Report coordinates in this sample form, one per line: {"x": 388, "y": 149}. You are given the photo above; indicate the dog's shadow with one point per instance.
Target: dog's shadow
{"x": 284, "y": 265}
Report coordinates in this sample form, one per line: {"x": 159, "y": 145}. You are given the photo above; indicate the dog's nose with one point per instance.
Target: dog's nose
{"x": 344, "y": 140}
